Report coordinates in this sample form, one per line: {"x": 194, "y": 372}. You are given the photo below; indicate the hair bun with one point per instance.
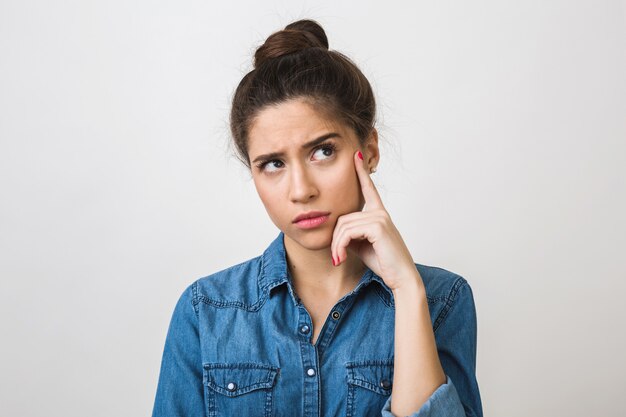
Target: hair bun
{"x": 295, "y": 37}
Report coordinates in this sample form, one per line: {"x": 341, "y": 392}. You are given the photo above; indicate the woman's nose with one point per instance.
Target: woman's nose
{"x": 302, "y": 187}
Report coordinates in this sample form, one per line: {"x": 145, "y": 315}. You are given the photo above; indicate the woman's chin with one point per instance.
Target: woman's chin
{"x": 313, "y": 240}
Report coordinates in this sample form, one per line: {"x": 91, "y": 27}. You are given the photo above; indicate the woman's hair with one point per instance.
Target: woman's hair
{"x": 295, "y": 63}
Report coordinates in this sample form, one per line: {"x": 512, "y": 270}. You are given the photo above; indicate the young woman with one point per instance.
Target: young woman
{"x": 334, "y": 318}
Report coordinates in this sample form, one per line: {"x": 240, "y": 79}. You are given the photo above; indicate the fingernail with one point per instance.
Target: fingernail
{"x": 333, "y": 259}
{"x": 360, "y": 155}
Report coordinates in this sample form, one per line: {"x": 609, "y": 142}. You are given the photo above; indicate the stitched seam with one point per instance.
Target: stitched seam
{"x": 194, "y": 298}
{"x": 241, "y": 390}
{"x": 449, "y": 302}
{"x": 240, "y": 365}
{"x": 236, "y": 304}
{"x": 350, "y": 401}
{"x": 268, "y": 401}
{"x": 357, "y": 364}
{"x": 434, "y": 300}
{"x": 384, "y": 297}
{"x": 211, "y": 396}
{"x": 261, "y": 280}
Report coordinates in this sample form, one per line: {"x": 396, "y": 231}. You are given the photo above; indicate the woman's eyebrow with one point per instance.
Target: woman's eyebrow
{"x": 310, "y": 144}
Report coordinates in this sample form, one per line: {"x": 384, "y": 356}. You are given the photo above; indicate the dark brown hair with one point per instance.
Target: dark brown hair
{"x": 296, "y": 63}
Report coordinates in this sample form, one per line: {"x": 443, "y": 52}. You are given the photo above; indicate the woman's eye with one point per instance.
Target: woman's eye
{"x": 271, "y": 166}
{"x": 324, "y": 152}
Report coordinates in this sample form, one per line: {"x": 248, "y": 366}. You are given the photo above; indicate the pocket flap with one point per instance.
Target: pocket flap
{"x": 233, "y": 379}
{"x": 375, "y": 375}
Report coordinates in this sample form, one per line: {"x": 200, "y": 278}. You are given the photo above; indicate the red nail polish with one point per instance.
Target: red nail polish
{"x": 333, "y": 259}
{"x": 360, "y": 155}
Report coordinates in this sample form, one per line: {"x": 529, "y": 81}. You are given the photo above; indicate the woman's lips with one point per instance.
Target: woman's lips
{"x": 311, "y": 222}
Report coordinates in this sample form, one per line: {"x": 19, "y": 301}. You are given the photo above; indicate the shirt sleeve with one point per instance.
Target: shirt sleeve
{"x": 180, "y": 390}
{"x": 455, "y": 334}
{"x": 443, "y": 402}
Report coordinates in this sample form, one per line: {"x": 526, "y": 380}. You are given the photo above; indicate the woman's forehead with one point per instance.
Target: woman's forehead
{"x": 291, "y": 124}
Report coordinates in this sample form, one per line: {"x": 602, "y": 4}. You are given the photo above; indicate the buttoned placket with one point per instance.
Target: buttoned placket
{"x": 311, "y": 353}
{"x": 310, "y": 364}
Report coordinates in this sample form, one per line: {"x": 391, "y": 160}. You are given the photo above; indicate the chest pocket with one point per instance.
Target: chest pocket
{"x": 244, "y": 389}
{"x": 369, "y": 386}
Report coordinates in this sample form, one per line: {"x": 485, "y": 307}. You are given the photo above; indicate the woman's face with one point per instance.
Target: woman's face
{"x": 302, "y": 162}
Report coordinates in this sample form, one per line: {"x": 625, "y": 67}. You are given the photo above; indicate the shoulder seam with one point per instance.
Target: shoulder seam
{"x": 236, "y": 304}
{"x": 449, "y": 301}
{"x": 194, "y": 299}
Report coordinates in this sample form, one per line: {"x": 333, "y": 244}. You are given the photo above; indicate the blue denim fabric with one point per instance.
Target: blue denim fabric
{"x": 239, "y": 344}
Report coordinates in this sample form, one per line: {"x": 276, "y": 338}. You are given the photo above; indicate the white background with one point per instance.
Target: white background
{"x": 503, "y": 160}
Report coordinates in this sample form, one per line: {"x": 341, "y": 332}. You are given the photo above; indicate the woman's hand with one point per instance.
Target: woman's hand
{"x": 372, "y": 236}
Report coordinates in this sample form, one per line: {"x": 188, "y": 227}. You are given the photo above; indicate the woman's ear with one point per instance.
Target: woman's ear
{"x": 372, "y": 154}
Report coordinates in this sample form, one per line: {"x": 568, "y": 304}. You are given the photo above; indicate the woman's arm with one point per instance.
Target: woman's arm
{"x": 417, "y": 370}
{"x": 424, "y": 366}
{"x": 455, "y": 336}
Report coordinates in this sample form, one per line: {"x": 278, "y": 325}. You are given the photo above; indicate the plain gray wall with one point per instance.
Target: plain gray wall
{"x": 504, "y": 128}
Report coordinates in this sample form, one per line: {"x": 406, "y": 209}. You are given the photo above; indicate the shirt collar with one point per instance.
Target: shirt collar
{"x": 274, "y": 272}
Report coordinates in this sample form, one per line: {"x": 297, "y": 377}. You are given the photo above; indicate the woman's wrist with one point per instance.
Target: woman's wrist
{"x": 411, "y": 283}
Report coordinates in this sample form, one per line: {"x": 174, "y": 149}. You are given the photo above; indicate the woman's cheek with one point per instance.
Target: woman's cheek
{"x": 350, "y": 189}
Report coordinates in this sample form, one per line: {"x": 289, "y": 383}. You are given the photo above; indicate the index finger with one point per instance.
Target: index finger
{"x": 370, "y": 193}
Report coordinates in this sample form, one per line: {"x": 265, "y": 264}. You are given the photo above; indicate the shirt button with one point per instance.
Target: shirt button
{"x": 310, "y": 372}
{"x": 336, "y": 315}
{"x": 385, "y": 384}
{"x": 304, "y": 329}
{"x": 231, "y": 386}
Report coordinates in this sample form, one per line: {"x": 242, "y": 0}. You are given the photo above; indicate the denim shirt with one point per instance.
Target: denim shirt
{"x": 239, "y": 344}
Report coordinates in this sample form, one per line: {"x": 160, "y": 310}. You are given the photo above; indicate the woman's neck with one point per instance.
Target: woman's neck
{"x": 312, "y": 271}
